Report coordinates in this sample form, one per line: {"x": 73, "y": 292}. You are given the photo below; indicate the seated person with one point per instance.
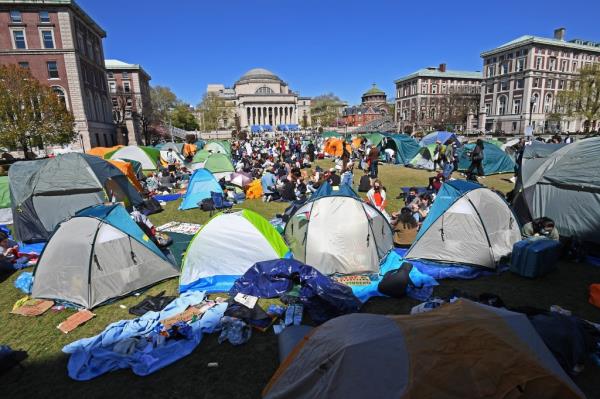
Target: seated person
{"x": 541, "y": 227}
{"x": 412, "y": 194}
{"x": 9, "y": 252}
{"x": 405, "y": 227}
{"x": 420, "y": 207}
{"x": 435, "y": 182}
{"x": 287, "y": 190}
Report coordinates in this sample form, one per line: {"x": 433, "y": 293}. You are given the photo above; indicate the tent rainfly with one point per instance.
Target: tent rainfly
{"x": 219, "y": 165}
{"x": 149, "y": 157}
{"x": 201, "y": 184}
{"x": 494, "y": 159}
{"x": 405, "y": 147}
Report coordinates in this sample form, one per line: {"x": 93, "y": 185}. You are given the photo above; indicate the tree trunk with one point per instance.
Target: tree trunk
{"x": 25, "y": 148}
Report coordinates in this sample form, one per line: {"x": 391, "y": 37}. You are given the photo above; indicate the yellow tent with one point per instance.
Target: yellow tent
{"x": 127, "y": 169}
{"x": 254, "y": 190}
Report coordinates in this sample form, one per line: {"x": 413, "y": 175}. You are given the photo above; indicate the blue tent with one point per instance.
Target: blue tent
{"x": 201, "y": 184}
{"x": 443, "y": 137}
{"x": 494, "y": 159}
{"x": 327, "y": 190}
{"x": 404, "y": 146}
{"x": 467, "y": 224}
{"x": 200, "y": 144}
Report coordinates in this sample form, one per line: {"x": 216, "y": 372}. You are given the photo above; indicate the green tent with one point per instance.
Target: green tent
{"x": 495, "y": 142}
{"x": 219, "y": 165}
{"x": 5, "y": 204}
{"x": 218, "y": 147}
{"x": 424, "y": 158}
{"x": 201, "y": 156}
{"x": 149, "y": 157}
{"x": 494, "y": 159}
{"x": 374, "y": 138}
{"x": 405, "y": 147}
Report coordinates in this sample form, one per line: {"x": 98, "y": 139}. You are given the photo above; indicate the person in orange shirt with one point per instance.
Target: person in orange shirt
{"x": 377, "y": 197}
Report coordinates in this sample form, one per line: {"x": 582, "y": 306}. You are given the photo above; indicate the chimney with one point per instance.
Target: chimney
{"x": 559, "y": 34}
{"x": 442, "y": 68}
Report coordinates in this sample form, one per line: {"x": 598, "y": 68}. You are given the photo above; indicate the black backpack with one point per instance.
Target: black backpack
{"x": 207, "y": 204}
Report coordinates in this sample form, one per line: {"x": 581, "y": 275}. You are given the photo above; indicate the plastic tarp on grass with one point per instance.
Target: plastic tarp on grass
{"x": 128, "y": 343}
{"x": 225, "y": 247}
{"x": 494, "y": 159}
{"x": 404, "y": 146}
{"x": 201, "y": 184}
{"x": 5, "y": 203}
{"x": 149, "y": 157}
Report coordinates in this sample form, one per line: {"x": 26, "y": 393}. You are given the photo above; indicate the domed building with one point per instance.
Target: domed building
{"x": 372, "y": 107}
{"x": 374, "y": 96}
{"x": 262, "y": 98}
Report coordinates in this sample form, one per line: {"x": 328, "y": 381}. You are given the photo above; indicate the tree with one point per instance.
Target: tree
{"x": 582, "y": 98}
{"x": 325, "y": 109}
{"x": 163, "y": 101}
{"x": 183, "y": 118}
{"x": 215, "y": 111}
{"x": 30, "y": 111}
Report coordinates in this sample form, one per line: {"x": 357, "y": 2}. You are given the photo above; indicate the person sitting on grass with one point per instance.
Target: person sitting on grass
{"x": 541, "y": 227}
{"x": 420, "y": 207}
{"x": 405, "y": 227}
{"x": 268, "y": 183}
{"x": 9, "y": 252}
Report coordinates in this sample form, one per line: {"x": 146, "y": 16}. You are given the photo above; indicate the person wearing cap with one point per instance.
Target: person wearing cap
{"x": 334, "y": 179}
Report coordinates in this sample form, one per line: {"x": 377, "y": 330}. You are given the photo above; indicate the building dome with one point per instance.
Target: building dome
{"x": 259, "y": 74}
{"x": 374, "y": 91}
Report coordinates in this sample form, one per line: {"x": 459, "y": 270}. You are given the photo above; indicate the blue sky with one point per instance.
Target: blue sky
{"x": 321, "y": 46}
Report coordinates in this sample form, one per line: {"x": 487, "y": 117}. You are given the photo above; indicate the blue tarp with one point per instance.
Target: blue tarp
{"x": 24, "y": 282}
{"x": 168, "y": 197}
{"x": 443, "y": 137}
{"x": 323, "y": 297}
{"x": 35, "y": 248}
{"x": 124, "y": 344}
{"x": 200, "y": 186}
{"x": 261, "y": 128}
{"x": 494, "y": 159}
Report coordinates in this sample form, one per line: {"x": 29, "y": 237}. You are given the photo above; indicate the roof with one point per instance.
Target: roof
{"x": 259, "y": 74}
{"x": 374, "y": 90}
{"x": 529, "y": 39}
{"x": 122, "y": 65}
{"x": 70, "y": 3}
{"x": 436, "y": 73}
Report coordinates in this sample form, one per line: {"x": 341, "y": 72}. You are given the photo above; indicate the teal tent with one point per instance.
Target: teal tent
{"x": 404, "y": 146}
{"x": 494, "y": 159}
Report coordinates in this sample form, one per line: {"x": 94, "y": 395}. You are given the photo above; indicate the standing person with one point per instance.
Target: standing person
{"x": 377, "y": 197}
{"x": 449, "y": 161}
{"x": 438, "y": 155}
{"x": 568, "y": 138}
{"x": 372, "y": 160}
{"x": 476, "y": 161}
{"x": 170, "y": 156}
{"x": 310, "y": 149}
{"x": 347, "y": 177}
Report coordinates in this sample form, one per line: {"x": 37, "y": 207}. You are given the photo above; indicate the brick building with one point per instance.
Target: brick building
{"x": 373, "y": 106}
{"x": 432, "y": 97}
{"x": 129, "y": 89}
{"x": 523, "y": 78}
{"x": 62, "y": 47}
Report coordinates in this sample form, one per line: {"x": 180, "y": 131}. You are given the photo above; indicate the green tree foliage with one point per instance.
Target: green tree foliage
{"x": 163, "y": 101}
{"x": 214, "y": 111}
{"x": 326, "y": 108}
{"x": 183, "y": 118}
{"x": 30, "y": 111}
{"x": 582, "y": 98}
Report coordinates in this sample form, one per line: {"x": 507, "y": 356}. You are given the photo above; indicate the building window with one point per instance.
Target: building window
{"x": 433, "y": 89}
{"x": 47, "y": 38}
{"x": 490, "y": 71}
{"x": 24, "y": 64}
{"x": 444, "y": 89}
{"x": 15, "y": 17}
{"x": 110, "y": 75}
{"x": 549, "y": 83}
{"x": 124, "y": 75}
{"x": 489, "y": 88}
{"x": 423, "y": 89}
{"x": 19, "y": 41}
{"x": 514, "y": 126}
{"x": 44, "y": 17}
{"x": 574, "y": 66}
{"x": 501, "y": 110}
{"x": 520, "y": 64}
{"x": 563, "y": 66}
{"x": 504, "y": 68}
{"x": 561, "y": 84}
{"x": 548, "y": 103}
{"x": 129, "y": 102}
{"x": 264, "y": 90}
{"x": 52, "y": 69}
{"x": 127, "y": 87}
{"x": 112, "y": 87}
{"x": 536, "y": 101}
{"x": 538, "y": 63}
{"x": 60, "y": 94}
{"x": 520, "y": 83}
{"x": 552, "y": 64}
{"x": 517, "y": 106}
{"x": 504, "y": 85}
{"x": 536, "y": 82}
{"x": 115, "y": 102}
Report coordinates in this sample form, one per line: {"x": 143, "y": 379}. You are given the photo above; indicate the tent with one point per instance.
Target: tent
{"x": 336, "y": 232}
{"x": 254, "y": 190}
{"x": 404, "y": 146}
{"x": 200, "y": 144}
{"x": 225, "y": 247}
{"x": 218, "y": 146}
{"x": 467, "y": 224}
{"x": 565, "y": 188}
{"x": 149, "y": 157}
{"x": 201, "y": 183}
{"x": 330, "y": 134}
{"x": 219, "y": 165}
{"x": 443, "y": 137}
{"x": 334, "y": 146}
{"x": 98, "y": 255}
{"x": 5, "y": 204}
{"x": 459, "y": 350}
{"x": 424, "y": 158}
{"x": 373, "y": 138}
{"x": 127, "y": 169}
{"x": 241, "y": 179}
{"x": 494, "y": 159}
{"x": 189, "y": 150}
{"x": 45, "y": 192}
{"x": 176, "y": 155}
{"x": 102, "y": 151}
{"x": 200, "y": 157}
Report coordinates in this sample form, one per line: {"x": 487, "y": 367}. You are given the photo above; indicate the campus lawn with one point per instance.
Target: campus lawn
{"x": 243, "y": 371}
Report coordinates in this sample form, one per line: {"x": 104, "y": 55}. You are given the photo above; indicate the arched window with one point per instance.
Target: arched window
{"x": 548, "y": 103}
{"x": 60, "y": 93}
{"x": 536, "y": 103}
{"x": 264, "y": 90}
{"x": 501, "y": 109}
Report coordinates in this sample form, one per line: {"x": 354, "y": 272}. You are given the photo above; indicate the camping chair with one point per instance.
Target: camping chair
{"x": 219, "y": 202}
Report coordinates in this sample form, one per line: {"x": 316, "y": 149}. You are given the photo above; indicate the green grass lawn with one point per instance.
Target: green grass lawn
{"x": 243, "y": 371}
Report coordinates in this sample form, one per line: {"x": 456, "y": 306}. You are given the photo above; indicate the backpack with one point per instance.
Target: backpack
{"x": 207, "y": 204}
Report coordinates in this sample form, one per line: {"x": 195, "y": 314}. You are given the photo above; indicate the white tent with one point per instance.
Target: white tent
{"x": 339, "y": 234}
{"x": 467, "y": 224}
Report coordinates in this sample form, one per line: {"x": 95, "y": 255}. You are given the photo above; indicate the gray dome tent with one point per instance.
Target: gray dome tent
{"x": 47, "y": 191}
{"x": 566, "y": 188}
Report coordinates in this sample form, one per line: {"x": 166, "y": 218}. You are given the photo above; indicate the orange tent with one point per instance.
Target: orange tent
{"x": 188, "y": 150}
{"x": 127, "y": 169}
{"x": 357, "y": 142}
{"x": 335, "y": 147}
{"x": 254, "y": 190}
{"x": 102, "y": 151}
